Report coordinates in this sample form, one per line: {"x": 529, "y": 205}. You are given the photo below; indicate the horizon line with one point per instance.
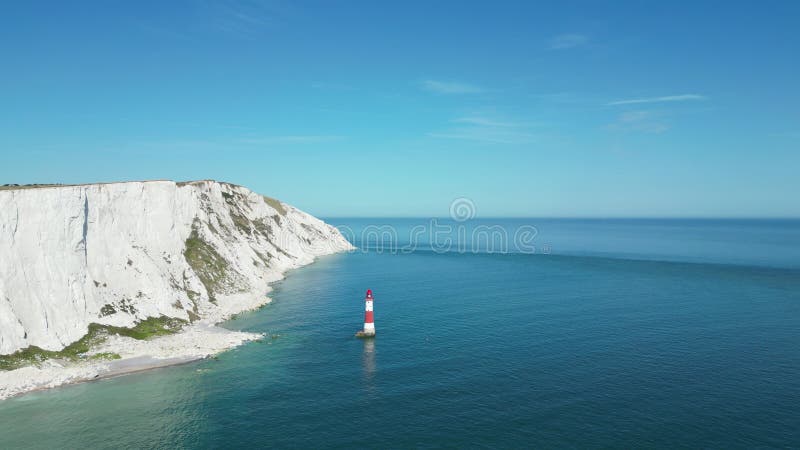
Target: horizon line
{"x": 573, "y": 217}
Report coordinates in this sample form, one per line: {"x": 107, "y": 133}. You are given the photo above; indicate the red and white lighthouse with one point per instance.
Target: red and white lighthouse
{"x": 369, "y": 319}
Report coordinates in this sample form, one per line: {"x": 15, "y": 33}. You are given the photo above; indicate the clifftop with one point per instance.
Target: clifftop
{"x": 13, "y": 186}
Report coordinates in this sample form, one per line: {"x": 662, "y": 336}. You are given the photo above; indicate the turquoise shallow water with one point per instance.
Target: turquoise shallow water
{"x": 582, "y": 347}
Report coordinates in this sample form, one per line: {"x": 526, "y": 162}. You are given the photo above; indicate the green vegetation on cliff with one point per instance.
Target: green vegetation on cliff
{"x": 210, "y": 267}
{"x": 78, "y": 350}
{"x": 275, "y": 204}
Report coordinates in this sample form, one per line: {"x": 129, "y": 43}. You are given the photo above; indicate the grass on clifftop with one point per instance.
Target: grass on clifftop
{"x": 77, "y": 351}
{"x": 14, "y": 187}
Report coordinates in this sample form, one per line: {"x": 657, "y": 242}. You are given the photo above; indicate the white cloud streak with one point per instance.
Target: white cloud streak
{"x": 486, "y": 130}
{"x": 293, "y": 139}
{"x": 487, "y": 136}
{"x": 482, "y": 121}
{"x": 666, "y": 98}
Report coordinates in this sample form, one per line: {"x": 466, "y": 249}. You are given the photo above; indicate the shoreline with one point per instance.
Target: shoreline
{"x": 168, "y": 362}
{"x": 194, "y": 343}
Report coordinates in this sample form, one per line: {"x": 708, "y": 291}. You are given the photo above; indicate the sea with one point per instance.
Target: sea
{"x": 491, "y": 333}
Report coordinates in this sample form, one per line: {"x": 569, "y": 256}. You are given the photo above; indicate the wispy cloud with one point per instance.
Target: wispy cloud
{"x": 239, "y": 19}
{"x": 642, "y": 121}
{"x": 566, "y": 41}
{"x": 483, "y": 121}
{"x": 666, "y": 98}
{"x": 451, "y": 87}
{"x": 486, "y": 130}
{"x": 487, "y": 136}
{"x": 291, "y": 139}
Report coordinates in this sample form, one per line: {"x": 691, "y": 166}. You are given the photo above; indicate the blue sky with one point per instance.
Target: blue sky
{"x": 586, "y": 109}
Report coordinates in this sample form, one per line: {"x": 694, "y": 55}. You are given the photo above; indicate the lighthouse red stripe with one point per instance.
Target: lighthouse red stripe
{"x": 368, "y": 317}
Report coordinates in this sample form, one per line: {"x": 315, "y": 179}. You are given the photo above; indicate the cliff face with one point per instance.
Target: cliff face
{"x": 116, "y": 254}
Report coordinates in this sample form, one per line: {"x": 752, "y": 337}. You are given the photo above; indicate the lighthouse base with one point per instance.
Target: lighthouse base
{"x": 365, "y": 334}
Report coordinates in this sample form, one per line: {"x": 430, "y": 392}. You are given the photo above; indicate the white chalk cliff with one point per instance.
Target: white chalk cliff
{"x": 116, "y": 254}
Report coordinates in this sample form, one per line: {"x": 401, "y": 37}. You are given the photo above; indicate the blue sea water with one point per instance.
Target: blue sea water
{"x": 603, "y": 333}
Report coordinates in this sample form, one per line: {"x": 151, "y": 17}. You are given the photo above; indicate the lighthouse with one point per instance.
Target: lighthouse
{"x": 369, "y": 320}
